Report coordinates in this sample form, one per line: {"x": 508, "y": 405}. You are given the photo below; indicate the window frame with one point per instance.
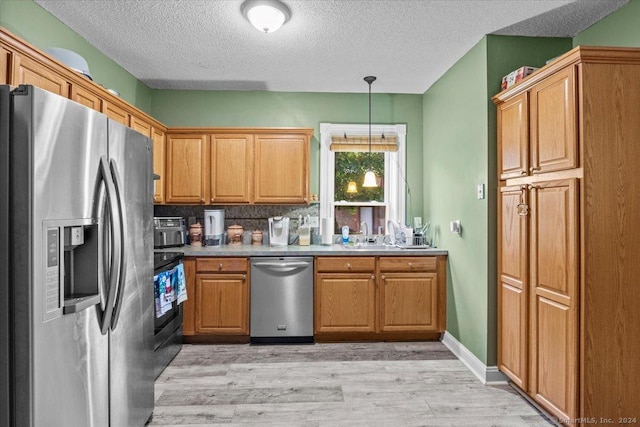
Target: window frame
{"x": 394, "y": 166}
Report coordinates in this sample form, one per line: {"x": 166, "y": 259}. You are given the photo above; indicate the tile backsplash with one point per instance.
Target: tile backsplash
{"x": 250, "y": 217}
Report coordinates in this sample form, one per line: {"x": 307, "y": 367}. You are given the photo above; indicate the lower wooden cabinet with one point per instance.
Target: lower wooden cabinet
{"x": 222, "y": 304}
{"x": 218, "y": 304}
{"x": 345, "y": 302}
{"x": 380, "y": 298}
{"x": 408, "y": 302}
{"x": 355, "y": 298}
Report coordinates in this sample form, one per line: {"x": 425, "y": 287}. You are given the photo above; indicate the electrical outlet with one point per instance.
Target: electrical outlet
{"x": 313, "y": 222}
{"x": 480, "y": 191}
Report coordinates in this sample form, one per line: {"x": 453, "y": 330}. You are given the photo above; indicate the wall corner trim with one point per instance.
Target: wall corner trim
{"x": 486, "y": 374}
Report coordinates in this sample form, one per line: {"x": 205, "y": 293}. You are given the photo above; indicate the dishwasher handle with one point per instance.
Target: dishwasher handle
{"x": 291, "y": 265}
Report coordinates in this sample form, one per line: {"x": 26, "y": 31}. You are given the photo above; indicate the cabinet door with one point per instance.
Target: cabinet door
{"x": 513, "y": 137}
{"x": 231, "y": 168}
{"x": 189, "y": 306}
{"x": 281, "y": 172}
{"x": 554, "y": 296}
{"x": 159, "y": 157}
{"x": 29, "y": 72}
{"x": 345, "y": 302}
{"x": 554, "y": 143}
{"x": 115, "y": 113}
{"x": 186, "y": 169}
{"x": 512, "y": 285}
{"x": 86, "y": 98}
{"x": 5, "y": 62}
{"x": 408, "y": 302}
{"x": 140, "y": 126}
{"x": 222, "y": 304}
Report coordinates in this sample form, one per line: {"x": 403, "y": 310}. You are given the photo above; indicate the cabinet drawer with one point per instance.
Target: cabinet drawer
{"x": 346, "y": 263}
{"x": 221, "y": 265}
{"x": 407, "y": 263}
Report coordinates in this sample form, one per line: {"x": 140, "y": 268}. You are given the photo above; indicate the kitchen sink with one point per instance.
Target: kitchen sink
{"x": 367, "y": 247}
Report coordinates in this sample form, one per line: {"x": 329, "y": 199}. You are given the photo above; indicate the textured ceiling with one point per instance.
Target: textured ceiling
{"x": 326, "y": 46}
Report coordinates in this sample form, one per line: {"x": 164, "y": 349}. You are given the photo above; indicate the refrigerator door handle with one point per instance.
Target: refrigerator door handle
{"x": 116, "y": 247}
{"x": 121, "y": 242}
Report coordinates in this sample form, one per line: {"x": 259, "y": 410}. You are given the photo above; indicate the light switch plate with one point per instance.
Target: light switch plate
{"x": 313, "y": 222}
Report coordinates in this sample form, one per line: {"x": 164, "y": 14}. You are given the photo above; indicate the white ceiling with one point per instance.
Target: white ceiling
{"x": 326, "y": 46}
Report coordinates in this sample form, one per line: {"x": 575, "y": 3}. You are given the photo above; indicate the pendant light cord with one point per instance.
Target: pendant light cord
{"x": 369, "y": 80}
{"x": 370, "y": 125}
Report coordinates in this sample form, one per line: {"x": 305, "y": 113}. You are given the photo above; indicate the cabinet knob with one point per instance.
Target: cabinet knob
{"x": 383, "y": 277}
{"x": 220, "y": 266}
{"x": 202, "y": 200}
{"x": 373, "y": 277}
{"x": 348, "y": 266}
{"x": 534, "y": 169}
{"x": 410, "y": 265}
{"x": 523, "y": 172}
{"x": 244, "y": 277}
{"x": 212, "y": 199}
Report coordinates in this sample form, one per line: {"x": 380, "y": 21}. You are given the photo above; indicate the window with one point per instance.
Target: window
{"x": 344, "y": 158}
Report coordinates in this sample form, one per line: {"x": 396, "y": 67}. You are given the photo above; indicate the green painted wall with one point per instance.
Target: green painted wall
{"x": 621, "y": 28}
{"x": 459, "y": 124}
{"x": 299, "y": 109}
{"x": 28, "y": 20}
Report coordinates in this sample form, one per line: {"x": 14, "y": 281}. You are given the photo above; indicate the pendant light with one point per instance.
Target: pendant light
{"x": 266, "y": 15}
{"x": 370, "y": 177}
{"x": 352, "y": 187}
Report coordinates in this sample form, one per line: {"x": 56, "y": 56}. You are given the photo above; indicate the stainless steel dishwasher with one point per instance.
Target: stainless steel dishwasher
{"x": 281, "y": 300}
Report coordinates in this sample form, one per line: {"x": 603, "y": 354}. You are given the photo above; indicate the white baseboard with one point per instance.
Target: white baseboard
{"x": 486, "y": 374}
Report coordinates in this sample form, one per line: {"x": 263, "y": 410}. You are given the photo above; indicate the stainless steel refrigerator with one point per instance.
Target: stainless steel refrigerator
{"x": 76, "y": 274}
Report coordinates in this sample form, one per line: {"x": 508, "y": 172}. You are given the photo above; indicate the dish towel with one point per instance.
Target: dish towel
{"x": 179, "y": 284}
{"x": 164, "y": 293}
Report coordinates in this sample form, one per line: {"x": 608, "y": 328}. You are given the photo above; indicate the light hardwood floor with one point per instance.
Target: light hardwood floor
{"x": 351, "y": 384}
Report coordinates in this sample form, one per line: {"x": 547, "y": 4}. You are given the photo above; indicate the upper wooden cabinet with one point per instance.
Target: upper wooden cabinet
{"x": 116, "y": 113}
{"x": 568, "y": 237}
{"x": 537, "y": 129}
{"x": 554, "y": 142}
{"x": 29, "y": 72}
{"x": 281, "y": 168}
{"x": 231, "y": 168}
{"x": 21, "y": 63}
{"x": 513, "y": 137}
{"x": 186, "y": 168}
{"x": 244, "y": 165}
{"x": 140, "y": 125}
{"x": 86, "y": 97}
{"x": 5, "y": 61}
{"x": 159, "y": 159}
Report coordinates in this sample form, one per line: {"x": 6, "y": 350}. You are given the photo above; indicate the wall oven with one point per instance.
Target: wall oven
{"x": 170, "y": 291}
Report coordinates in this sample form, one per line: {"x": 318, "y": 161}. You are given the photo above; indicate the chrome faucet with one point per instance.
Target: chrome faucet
{"x": 365, "y": 227}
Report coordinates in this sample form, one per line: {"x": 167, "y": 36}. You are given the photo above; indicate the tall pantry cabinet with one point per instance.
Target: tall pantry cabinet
{"x": 569, "y": 235}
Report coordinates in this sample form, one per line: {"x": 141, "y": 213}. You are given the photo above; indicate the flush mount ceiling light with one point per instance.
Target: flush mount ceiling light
{"x": 266, "y": 15}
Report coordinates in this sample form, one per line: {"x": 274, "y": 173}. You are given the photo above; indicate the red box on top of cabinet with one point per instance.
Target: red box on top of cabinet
{"x": 516, "y": 76}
